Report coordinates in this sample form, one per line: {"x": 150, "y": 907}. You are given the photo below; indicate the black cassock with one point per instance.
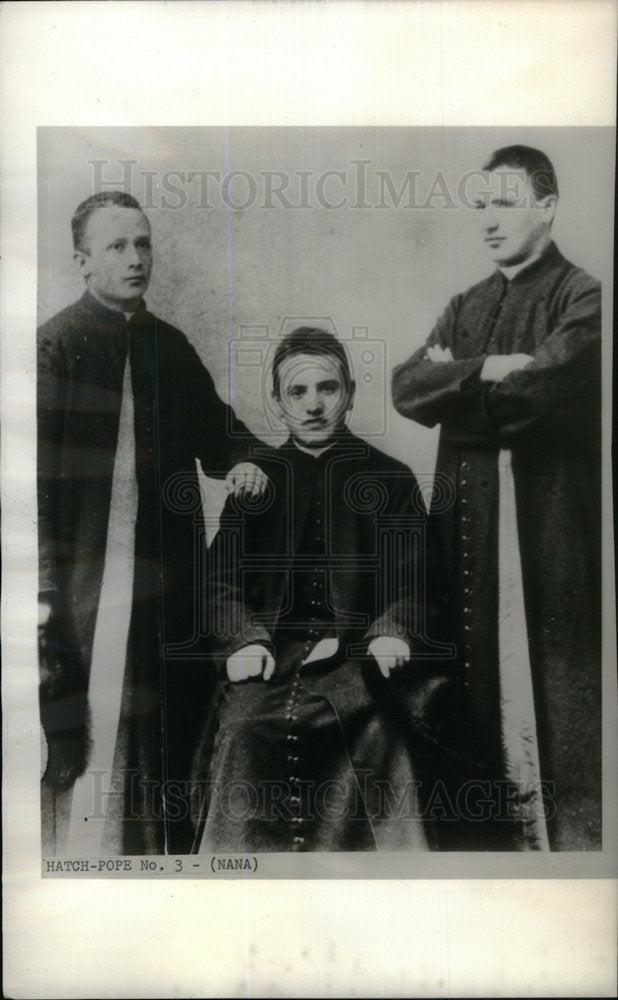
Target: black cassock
{"x": 178, "y": 417}
{"x": 547, "y": 416}
{"x": 326, "y": 755}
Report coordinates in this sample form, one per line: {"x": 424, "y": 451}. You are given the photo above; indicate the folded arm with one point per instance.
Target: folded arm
{"x": 491, "y": 398}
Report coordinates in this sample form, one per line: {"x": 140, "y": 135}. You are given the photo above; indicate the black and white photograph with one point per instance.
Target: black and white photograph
{"x": 308, "y": 595}
{"x": 319, "y": 487}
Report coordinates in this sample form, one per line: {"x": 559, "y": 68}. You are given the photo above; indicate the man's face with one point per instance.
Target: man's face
{"x": 313, "y": 398}
{"x": 513, "y": 224}
{"x": 116, "y": 256}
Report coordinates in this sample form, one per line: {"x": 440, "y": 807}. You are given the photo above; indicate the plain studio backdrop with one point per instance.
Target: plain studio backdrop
{"x": 367, "y": 231}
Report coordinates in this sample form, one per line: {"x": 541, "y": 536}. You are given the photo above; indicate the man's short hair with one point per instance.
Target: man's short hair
{"x": 537, "y": 165}
{"x": 103, "y": 199}
{"x": 310, "y": 340}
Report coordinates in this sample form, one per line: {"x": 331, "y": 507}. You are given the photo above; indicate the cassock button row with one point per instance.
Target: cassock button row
{"x": 466, "y": 611}
{"x": 297, "y": 819}
{"x": 463, "y": 482}
{"x": 295, "y": 799}
{"x": 464, "y": 465}
{"x": 292, "y": 738}
{"x": 299, "y": 840}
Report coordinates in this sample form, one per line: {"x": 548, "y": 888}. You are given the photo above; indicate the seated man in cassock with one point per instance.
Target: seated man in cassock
{"x": 319, "y": 625}
{"x": 125, "y": 407}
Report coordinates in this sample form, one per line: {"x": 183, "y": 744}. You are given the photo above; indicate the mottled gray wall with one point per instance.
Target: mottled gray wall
{"x": 387, "y": 271}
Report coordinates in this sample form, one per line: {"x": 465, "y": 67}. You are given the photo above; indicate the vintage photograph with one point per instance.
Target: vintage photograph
{"x": 319, "y": 471}
{"x": 308, "y": 596}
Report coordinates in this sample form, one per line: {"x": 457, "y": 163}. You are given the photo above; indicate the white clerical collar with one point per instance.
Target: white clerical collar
{"x": 314, "y": 452}
{"x": 510, "y": 272}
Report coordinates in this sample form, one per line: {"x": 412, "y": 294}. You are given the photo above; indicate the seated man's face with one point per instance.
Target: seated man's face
{"x": 313, "y": 398}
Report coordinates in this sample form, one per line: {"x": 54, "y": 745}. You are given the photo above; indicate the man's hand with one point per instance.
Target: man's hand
{"x": 497, "y": 366}
{"x": 246, "y": 478}
{"x": 250, "y": 661}
{"x": 439, "y": 354}
{"x": 389, "y": 653}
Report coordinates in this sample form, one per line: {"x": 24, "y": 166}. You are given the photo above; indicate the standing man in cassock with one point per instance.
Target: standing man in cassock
{"x": 511, "y": 371}
{"x": 125, "y": 407}
{"x": 320, "y": 620}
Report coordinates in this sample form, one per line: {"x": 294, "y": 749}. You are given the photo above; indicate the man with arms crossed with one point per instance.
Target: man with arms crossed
{"x": 511, "y": 371}
{"x": 124, "y": 407}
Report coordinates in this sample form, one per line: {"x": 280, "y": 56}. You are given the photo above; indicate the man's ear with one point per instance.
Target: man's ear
{"x": 351, "y": 392}
{"x": 82, "y": 259}
{"x": 549, "y": 204}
